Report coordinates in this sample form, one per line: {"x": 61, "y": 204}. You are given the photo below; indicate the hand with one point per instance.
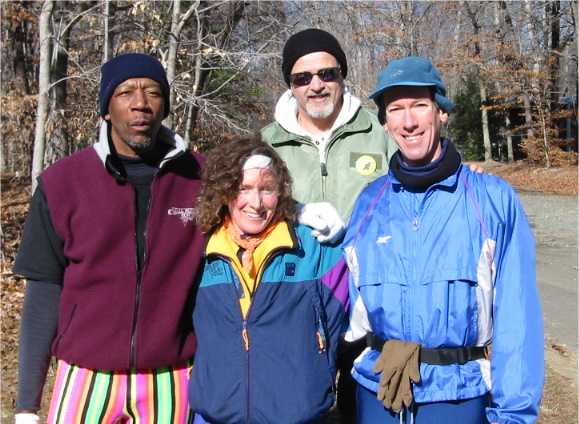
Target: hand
{"x": 26, "y": 418}
{"x": 476, "y": 168}
{"x": 324, "y": 219}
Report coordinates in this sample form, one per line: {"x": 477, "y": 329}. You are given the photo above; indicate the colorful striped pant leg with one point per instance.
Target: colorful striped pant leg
{"x": 157, "y": 396}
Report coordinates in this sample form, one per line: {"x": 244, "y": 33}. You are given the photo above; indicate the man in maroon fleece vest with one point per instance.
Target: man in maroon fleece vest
{"x": 110, "y": 253}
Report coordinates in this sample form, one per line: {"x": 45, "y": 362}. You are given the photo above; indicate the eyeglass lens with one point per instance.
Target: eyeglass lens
{"x": 304, "y": 78}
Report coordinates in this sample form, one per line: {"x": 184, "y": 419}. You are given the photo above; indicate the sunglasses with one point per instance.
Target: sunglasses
{"x": 304, "y": 78}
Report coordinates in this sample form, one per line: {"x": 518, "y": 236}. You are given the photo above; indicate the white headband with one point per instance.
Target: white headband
{"x": 257, "y": 161}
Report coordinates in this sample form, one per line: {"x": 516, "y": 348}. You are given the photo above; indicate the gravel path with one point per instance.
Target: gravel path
{"x": 554, "y": 222}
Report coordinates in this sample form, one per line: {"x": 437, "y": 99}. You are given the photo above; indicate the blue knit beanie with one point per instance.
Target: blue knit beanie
{"x": 415, "y": 72}
{"x": 131, "y": 65}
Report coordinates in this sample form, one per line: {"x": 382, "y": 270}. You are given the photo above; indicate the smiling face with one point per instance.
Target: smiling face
{"x": 255, "y": 205}
{"x": 318, "y": 100}
{"x": 414, "y": 120}
{"x": 136, "y": 110}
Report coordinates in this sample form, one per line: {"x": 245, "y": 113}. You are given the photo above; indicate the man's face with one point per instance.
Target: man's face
{"x": 136, "y": 110}
{"x": 318, "y": 100}
{"x": 413, "y": 119}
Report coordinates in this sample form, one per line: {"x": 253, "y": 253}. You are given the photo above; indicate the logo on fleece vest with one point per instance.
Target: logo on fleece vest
{"x": 185, "y": 214}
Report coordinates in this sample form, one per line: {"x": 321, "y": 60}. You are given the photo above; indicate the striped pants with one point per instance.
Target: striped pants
{"x": 87, "y": 396}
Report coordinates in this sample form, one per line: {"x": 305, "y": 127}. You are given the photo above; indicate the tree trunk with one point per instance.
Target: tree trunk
{"x": 57, "y": 145}
{"x": 554, "y": 55}
{"x": 510, "y": 155}
{"x": 172, "y": 56}
{"x": 485, "y": 123}
{"x": 45, "y": 35}
{"x": 528, "y": 116}
{"x": 108, "y": 13}
{"x": 545, "y": 130}
{"x": 483, "y": 90}
{"x": 202, "y": 75}
{"x": 20, "y": 59}
{"x": 177, "y": 23}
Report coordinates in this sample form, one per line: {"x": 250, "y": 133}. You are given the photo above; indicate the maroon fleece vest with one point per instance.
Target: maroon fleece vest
{"x": 107, "y": 320}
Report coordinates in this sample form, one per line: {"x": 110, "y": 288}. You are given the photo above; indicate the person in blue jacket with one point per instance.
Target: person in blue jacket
{"x": 442, "y": 283}
{"x": 271, "y": 302}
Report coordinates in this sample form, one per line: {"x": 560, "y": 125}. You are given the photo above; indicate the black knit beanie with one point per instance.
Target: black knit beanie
{"x": 310, "y": 41}
{"x": 131, "y": 65}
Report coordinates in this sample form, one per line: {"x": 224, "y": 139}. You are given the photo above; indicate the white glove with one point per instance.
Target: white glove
{"x": 327, "y": 225}
{"x": 26, "y": 418}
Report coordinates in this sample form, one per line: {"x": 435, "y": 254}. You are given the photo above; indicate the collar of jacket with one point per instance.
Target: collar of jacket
{"x": 178, "y": 147}
{"x": 282, "y": 237}
{"x": 449, "y": 182}
{"x": 286, "y": 112}
{"x": 360, "y": 122}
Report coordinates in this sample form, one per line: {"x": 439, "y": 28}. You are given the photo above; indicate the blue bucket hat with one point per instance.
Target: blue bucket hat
{"x": 415, "y": 72}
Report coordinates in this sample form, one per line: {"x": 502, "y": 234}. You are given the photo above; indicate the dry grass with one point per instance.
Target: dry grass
{"x": 560, "y": 180}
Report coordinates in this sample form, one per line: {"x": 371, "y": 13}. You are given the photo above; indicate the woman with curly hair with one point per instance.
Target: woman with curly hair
{"x": 271, "y": 300}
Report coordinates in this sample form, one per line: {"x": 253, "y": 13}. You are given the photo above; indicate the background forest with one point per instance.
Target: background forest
{"x": 511, "y": 67}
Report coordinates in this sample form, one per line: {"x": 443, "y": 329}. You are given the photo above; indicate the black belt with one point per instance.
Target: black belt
{"x": 440, "y": 356}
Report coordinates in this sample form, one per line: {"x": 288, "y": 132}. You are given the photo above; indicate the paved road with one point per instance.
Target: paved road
{"x": 554, "y": 222}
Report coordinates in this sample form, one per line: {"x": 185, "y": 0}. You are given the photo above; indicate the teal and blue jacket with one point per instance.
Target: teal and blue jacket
{"x": 278, "y": 364}
{"x": 451, "y": 266}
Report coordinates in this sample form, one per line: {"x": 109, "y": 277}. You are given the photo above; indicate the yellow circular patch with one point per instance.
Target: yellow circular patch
{"x": 366, "y": 165}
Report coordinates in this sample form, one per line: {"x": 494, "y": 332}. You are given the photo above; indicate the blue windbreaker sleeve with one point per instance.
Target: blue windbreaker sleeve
{"x": 517, "y": 359}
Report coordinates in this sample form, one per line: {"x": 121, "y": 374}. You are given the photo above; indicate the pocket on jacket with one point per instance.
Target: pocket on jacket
{"x": 320, "y": 336}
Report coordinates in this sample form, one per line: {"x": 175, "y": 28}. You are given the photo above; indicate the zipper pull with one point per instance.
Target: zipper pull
{"x": 321, "y": 337}
{"x": 323, "y": 169}
{"x": 415, "y": 223}
{"x": 245, "y": 336}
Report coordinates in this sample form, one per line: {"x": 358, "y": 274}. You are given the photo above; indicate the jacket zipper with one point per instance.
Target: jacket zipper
{"x": 324, "y": 172}
{"x": 133, "y": 347}
{"x": 324, "y": 161}
{"x": 244, "y": 330}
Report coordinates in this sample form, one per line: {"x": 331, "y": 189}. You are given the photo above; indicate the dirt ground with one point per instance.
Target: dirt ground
{"x": 560, "y": 180}
{"x": 560, "y": 396}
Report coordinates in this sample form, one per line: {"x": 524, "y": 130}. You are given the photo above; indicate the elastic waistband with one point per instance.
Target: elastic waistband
{"x": 439, "y": 356}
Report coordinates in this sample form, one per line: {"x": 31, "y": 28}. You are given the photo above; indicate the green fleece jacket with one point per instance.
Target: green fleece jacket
{"x": 356, "y": 154}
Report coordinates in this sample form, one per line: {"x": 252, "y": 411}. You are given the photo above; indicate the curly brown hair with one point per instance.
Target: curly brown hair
{"x": 223, "y": 173}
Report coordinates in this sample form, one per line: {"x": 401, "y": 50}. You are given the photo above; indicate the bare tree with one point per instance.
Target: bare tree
{"x": 58, "y": 140}
{"x": 177, "y": 23}
{"x": 108, "y": 13}
{"x": 476, "y": 27}
{"x": 45, "y": 32}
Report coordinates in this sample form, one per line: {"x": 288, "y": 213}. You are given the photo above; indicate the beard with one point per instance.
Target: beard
{"x": 144, "y": 144}
{"x": 323, "y": 112}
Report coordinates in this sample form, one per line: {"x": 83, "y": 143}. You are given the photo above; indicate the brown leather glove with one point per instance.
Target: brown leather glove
{"x": 398, "y": 366}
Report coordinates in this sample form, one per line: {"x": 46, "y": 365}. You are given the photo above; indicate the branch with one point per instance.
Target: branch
{"x": 213, "y": 6}
{"x": 186, "y": 17}
{"x": 77, "y": 18}
{"x": 81, "y": 76}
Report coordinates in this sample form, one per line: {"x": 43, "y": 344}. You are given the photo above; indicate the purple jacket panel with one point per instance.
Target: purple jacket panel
{"x": 95, "y": 216}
